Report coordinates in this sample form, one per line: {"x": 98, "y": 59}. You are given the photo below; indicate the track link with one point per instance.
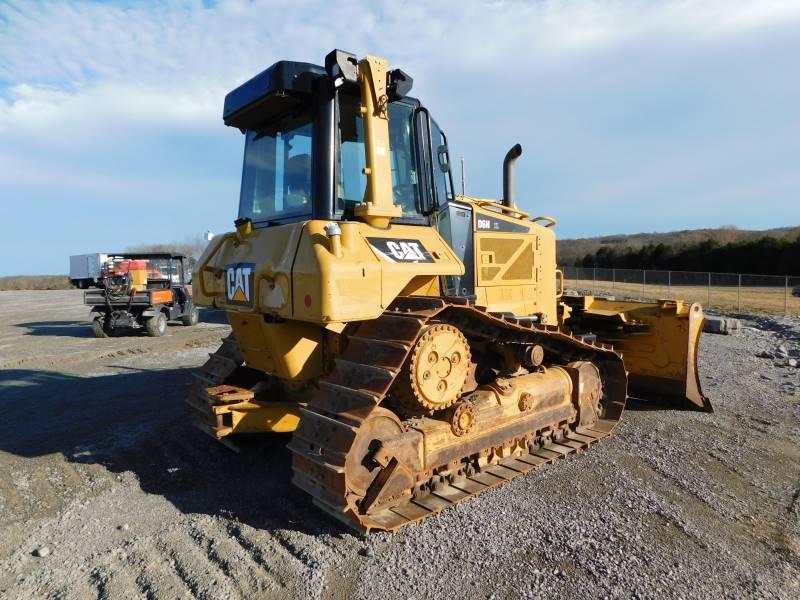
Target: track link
{"x": 216, "y": 370}
{"x": 366, "y": 371}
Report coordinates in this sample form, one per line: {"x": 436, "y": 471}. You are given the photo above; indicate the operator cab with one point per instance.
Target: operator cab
{"x": 304, "y": 149}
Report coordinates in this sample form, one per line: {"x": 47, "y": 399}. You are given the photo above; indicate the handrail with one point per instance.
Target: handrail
{"x": 495, "y": 204}
{"x": 551, "y": 220}
{"x": 560, "y": 276}
{"x": 203, "y": 267}
{"x": 522, "y": 215}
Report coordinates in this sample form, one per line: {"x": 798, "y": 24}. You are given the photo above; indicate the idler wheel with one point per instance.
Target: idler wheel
{"x": 359, "y": 467}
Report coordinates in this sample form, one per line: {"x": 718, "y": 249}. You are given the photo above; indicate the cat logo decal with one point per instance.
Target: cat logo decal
{"x": 239, "y": 283}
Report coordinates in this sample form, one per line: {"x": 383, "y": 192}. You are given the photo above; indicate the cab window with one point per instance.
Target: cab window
{"x": 277, "y": 172}
{"x": 351, "y": 181}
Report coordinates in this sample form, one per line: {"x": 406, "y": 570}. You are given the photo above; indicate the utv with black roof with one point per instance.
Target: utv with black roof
{"x": 141, "y": 291}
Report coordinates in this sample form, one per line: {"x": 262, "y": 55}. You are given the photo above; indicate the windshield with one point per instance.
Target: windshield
{"x": 276, "y": 178}
{"x": 352, "y": 160}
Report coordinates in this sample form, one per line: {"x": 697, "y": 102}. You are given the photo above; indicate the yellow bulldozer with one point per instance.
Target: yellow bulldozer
{"x": 418, "y": 344}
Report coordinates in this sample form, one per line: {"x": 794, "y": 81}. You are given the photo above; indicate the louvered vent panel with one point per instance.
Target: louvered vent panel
{"x": 503, "y": 248}
{"x": 489, "y": 273}
{"x": 522, "y": 268}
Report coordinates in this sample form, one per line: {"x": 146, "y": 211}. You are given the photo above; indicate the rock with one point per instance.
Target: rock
{"x": 792, "y": 362}
{"x": 721, "y": 325}
{"x": 41, "y": 551}
{"x": 765, "y": 354}
{"x": 124, "y": 527}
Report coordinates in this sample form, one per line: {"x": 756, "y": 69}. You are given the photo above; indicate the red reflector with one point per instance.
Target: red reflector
{"x": 307, "y": 300}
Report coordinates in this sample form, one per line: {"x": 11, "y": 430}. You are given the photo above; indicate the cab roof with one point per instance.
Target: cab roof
{"x": 291, "y": 78}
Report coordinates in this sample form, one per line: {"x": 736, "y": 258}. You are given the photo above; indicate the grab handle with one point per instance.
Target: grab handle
{"x": 560, "y": 276}
{"x": 204, "y": 268}
{"x": 550, "y": 220}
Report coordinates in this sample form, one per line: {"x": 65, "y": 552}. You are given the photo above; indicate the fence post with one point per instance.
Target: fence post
{"x": 613, "y": 280}
{"x": 644, "y": 281}
{"x": 709, "y": 289}
{"x": 594, "y": 281}
{"x": 739, "y": 295}
{"x": 669, "y": 283}
{"x": 786, "y": 296}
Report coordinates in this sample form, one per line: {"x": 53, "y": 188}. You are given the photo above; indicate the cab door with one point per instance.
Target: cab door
{"x": 452, "y": 219}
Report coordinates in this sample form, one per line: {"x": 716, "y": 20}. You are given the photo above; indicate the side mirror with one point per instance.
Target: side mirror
{"x": 399, "y": 84}
{"x": 339, "y": 63}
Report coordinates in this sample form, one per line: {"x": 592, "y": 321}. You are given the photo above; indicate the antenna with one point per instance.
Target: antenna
{"x": 463, "y": 178}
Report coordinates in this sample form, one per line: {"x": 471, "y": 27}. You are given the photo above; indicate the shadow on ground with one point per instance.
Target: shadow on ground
{"x": 58, "y": 328}
{"x": 81, "y": 329}
{"x": 657, "y": 404}
{"x": 138, "y": 422}
{"x": 767, "y": 323}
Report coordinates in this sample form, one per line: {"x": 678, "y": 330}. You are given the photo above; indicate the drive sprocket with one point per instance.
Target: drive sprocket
{"x": 436, "y": 370}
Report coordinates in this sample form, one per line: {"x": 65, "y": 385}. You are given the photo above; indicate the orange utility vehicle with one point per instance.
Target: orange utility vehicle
{"x": 141, "y": 291}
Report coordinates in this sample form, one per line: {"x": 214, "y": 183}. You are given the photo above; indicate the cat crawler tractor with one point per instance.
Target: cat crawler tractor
{"x": 417, "y": 343}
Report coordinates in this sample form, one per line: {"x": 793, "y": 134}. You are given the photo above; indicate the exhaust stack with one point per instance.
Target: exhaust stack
{"x": 508, "y": 175}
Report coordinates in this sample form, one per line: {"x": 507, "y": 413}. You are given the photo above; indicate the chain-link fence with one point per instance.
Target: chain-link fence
{"x": 770, "y": 294}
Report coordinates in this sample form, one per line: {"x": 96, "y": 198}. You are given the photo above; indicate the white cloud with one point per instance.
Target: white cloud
{"x": 45, "y": 109}
{"x": 173, "y": 61}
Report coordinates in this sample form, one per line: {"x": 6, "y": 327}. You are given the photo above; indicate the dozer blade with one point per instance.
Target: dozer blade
{"x": 658, "y": 342}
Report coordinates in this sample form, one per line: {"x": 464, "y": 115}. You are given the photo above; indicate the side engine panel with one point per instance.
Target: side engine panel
{"x": 515, "y": 266}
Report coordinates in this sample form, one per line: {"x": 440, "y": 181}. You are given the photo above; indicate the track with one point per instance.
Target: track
{"x": 365, "y": 373}
{"x": 219, "y": 367}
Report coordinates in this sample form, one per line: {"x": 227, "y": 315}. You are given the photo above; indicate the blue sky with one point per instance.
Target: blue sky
{"x": 633, "y": 115}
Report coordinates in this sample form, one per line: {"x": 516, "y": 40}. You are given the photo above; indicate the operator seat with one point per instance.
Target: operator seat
{"x": 297, "y": 177}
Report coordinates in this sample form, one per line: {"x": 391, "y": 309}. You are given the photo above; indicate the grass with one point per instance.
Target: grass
{"x": 35, "y": 282}
{"x": 768, "y": 300}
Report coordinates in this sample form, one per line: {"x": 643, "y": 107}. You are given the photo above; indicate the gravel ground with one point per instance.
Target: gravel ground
{"x": 107, "y": 491}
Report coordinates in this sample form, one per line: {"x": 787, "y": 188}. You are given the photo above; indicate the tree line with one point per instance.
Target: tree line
{"x": 763, "y": 256}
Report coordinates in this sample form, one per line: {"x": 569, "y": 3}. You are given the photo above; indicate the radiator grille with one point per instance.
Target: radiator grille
{"x": 489, "y": 273}
{"x": 522, "y": 268}
{"x": 501, "y": 251}
{"x": 503, "y": 248}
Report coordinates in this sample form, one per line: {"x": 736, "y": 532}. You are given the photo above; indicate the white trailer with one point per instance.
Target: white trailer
{"x": 84, "y": 269}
